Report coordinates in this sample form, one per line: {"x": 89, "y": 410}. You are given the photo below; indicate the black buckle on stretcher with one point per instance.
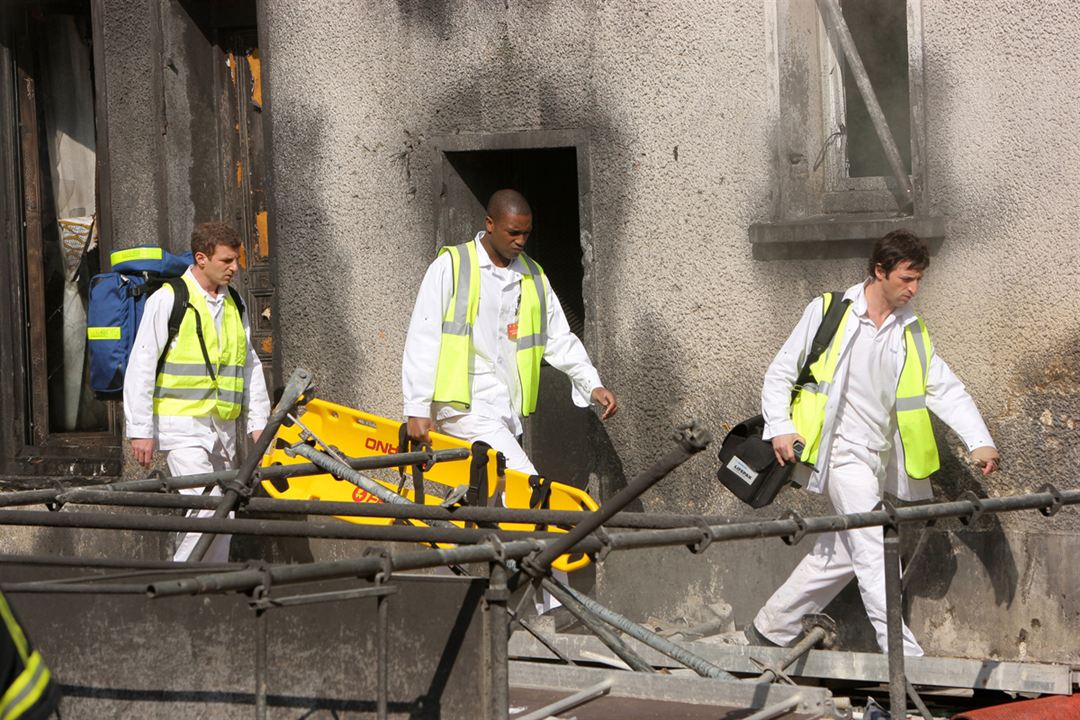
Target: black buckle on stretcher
{"x": 406, "y": 444}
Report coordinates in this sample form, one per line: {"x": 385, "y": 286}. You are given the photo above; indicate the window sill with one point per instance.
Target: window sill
{"x": 837, "y": 236}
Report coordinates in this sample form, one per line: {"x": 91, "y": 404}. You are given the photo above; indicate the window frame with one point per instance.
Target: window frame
{"x": 813, "y": 214}
{"x": 31, "y": 454}
{"x": 873, "y": 192}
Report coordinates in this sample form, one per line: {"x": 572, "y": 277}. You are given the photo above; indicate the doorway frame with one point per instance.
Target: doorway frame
{"x": 577, "y": 139}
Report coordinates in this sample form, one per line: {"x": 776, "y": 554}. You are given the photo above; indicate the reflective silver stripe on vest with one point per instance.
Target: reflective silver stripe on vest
{"x": 538, "y": 283}
{"x": 183, "y": 393}
{"x": 917, "y": 402}
{"x": 185, "y": 369}
{"x": 199, "y": 370}
{"x": 530, "y": 341}
{"x": 231, "y": 396}
{"x": 27, "y": 689}
{"x": 464, "y": 279}
{"x": 231, "y": 371}
{"x": 455, "y": 328}
{"x": 917, "y": 336}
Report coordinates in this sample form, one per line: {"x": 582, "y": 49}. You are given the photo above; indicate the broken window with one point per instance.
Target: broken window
{"x": 64, "y": 91}
{"x": 847, "y": 91}
{"x": 49, "y": 213}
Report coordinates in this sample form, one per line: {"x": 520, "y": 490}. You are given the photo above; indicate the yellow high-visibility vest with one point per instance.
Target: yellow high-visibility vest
{"x": 199, "y": 375}
{"x": 912, "y": 418}
{"x": 452, "y": 379}
{"x": 31, "y": 689}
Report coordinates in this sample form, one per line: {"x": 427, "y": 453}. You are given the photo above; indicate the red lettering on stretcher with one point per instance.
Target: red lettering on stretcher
{"x": 362, "y": 495}
{"x": 380, "y": 446}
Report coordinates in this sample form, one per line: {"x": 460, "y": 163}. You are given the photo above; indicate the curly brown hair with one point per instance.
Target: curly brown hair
{"x": 208, "y": 235}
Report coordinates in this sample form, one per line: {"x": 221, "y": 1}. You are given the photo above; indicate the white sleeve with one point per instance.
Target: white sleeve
{"x": 256, "y": 398}
{"x": 141, "y": 370}
{"x": 784, "y": 370}
{"x": 421, "y": 357}
{"x": 947, "y": 398}
{"x": 564, "y": 351}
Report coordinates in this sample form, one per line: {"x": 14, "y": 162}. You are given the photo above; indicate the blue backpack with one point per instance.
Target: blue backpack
{"x": 116, "y": 305}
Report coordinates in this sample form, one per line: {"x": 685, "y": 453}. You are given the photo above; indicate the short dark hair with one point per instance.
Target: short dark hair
{"x": 899, "y": 246}
{"x": 208, "y": 235}
{"x": 507, "y": 202}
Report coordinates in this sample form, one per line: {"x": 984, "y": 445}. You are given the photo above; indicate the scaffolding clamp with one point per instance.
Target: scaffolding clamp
{"x": 260, "y": 594}
{"x": 1056, "y": 500}
{"x": 383, "y": 555}
{"x": 800, "y": 528}
{"x": 606, "y": 543}
{"x": 498, "y": 548}
{"x": 893, "y": 523}
{"x": 55, "y": 505}
{"x": 976, "y": 507}
{"x": 706, "y": 538}
{"x": 243, "y": 491}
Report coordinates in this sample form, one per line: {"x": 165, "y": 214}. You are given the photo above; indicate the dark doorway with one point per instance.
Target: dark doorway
{"x": 551, "y": 170}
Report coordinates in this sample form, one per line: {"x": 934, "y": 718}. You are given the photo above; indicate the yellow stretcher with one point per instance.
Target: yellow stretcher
{"x": 358, "y": 434}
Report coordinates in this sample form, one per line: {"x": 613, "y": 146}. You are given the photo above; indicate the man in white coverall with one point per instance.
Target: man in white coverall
{"x": 187, "y": 411}
{"x": 865, "y": 419}
{"x": 472, "y": 354}
{"x": 480, "y": 390}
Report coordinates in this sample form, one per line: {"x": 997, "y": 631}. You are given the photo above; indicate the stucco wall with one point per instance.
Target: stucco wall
{"x": 684, "y": 320}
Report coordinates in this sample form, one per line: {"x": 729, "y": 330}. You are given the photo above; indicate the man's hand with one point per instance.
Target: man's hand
{"x": 418, "y": 430}
{"x": 986, "y": 458}
{"x": 143, "y": 448}
{"x": 605, "y": 399}
{"x": 255, "y": 435}
{"x": 784, "y": 447}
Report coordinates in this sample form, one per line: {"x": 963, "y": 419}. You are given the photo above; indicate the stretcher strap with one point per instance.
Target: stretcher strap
{"x": 406, "y": 444}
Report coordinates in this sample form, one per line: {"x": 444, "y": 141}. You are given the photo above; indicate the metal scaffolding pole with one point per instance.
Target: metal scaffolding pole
{"x": 182, "y": 482}
{"x": 698, "y": 664}
{"x": 690, "y": 439}
{"x": 425, "y": 513}
{"x": 792, "y": 527}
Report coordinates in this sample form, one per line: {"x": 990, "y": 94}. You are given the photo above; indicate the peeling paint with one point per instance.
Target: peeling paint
{"x": 255, "y": 67}
{"x": 263, "y": 233}
{"x": 267, "y": 345}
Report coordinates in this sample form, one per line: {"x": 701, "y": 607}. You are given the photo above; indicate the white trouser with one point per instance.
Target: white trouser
{"x": 853, "y": 482}
{"x": 192, "y": 461}
{"x": 475, "y": 428}
{"x": 472, "y": 428}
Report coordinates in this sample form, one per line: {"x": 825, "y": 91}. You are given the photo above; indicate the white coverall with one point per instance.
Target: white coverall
{"x": 493, "y": 416}
{"x": 860, "y": 456}
{"x": 193, "y": 444}
{"x": 493, "y": 413}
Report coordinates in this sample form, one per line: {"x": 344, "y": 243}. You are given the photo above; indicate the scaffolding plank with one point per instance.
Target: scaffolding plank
{"x": 1044, "y": 678}
{"x": 643, "y": 695}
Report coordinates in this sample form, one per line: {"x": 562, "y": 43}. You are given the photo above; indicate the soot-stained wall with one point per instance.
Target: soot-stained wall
{"x": 681, "y": 321}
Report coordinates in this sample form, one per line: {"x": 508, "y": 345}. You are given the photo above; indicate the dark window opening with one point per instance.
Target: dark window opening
{"x": 548, "y": 178}
{"x": 879, "y": 28}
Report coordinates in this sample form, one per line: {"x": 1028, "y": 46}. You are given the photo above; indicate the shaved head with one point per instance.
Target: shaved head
{"x": 507, "y": 202}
